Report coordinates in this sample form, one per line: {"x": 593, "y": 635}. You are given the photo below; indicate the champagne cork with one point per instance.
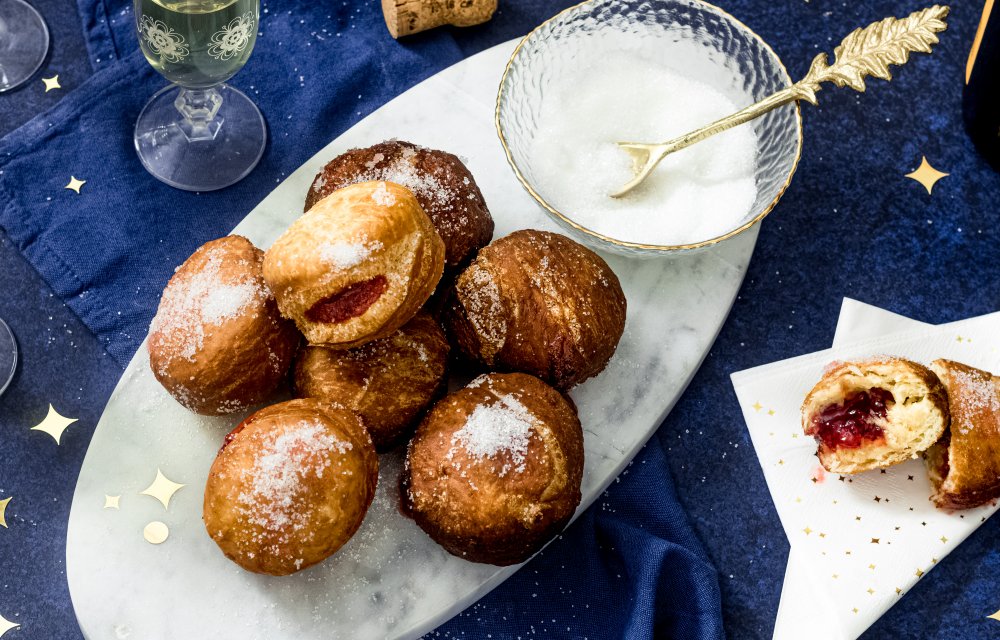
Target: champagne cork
{"x": 405, "y": 17}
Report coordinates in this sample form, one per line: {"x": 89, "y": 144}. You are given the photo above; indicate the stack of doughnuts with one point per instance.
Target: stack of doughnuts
{"x": 870, "y": 414}
{"x": 337, "y": 310}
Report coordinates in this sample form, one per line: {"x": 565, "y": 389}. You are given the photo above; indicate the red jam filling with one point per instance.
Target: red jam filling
{"x": 348, "y": 303}
{"x": 232, "y": 434}
{"x": 853, "y": 423}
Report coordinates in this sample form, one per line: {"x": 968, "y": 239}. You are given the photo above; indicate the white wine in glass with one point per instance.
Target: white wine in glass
{"x": 24, "y": 43}
{"x": 198, "y": 134}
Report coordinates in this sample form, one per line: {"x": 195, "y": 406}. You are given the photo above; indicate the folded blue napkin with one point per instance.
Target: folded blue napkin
{"x": 635, "y": 570}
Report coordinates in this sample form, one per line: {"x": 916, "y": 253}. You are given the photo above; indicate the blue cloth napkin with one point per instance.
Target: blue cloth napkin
{"x": 631, "y": 567}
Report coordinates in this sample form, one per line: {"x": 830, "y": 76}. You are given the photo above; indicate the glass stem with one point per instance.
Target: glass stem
{"x": 200, "y": 109}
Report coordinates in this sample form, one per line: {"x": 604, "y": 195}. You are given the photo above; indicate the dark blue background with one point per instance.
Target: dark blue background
{"x": 850, "y": 225}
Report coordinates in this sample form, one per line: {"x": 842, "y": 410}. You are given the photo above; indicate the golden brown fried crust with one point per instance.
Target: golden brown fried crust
{"x": 218, "y": 343}
{"x": 503, "y": 507}
{"x": 443, "y": 185}
{"x": 389, "y": 382}
{"x": 368, "y": 253}
{"x": 540, "y": 303}
{"x": 971, "y": 447}
{"x": 290, "y": 486}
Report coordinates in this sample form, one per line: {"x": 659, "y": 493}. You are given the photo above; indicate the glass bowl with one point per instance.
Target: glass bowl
{"x": 686, "y": 35}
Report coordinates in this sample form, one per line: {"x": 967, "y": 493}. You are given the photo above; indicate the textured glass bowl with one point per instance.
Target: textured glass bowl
{"x": 726, "y": 54}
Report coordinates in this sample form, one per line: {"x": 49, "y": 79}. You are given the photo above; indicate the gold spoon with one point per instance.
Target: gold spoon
{"x": 863, "y": 52}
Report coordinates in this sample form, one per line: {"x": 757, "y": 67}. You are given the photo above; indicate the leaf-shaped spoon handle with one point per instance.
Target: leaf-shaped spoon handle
{"x": 864, "y": 52}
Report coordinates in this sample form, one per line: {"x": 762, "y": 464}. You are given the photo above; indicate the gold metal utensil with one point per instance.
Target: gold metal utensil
{"x": 864, "y": 52}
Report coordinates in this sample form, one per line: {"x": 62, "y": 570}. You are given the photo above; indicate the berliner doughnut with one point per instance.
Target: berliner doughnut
{"x": 290, "y": 485}
{"x": 217, "y": 343}
{"x": 494, "y": 470}
{"x": 874, "y": 413}
{"x": 357, "y": 266}
{"x": 442, "y": 184}
{"x": 540, "y": 303}
{"x": 388, "y": 382}
{"x": 964, "y": 466}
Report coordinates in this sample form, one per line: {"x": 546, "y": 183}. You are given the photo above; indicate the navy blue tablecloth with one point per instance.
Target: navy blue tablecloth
{"x": 80, "y": 277}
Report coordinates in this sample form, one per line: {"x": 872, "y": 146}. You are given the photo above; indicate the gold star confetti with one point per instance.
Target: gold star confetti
{"x": 155, "y": 532}
{"x": 162, "y": 489}
{"x": 52, "y": 83}
{"x": 958, "y": 338}
{"x": 798, "y": 499}
{"x": 807, "y": 530}
{"x": 111, "y": 502}
{"x": 871, "y": 591}
{"x": 54, "y": 424}
{"x": 944, "y": 540}
{"x": 926, "y": 174}
{"x": 874, "y": 540}
{"x": 6, "y": 625}
{"x": 995, "y": 616}
{"x": 3, "y": 520}
{"x": 780, "y": 461}
{"x": 878, "y": 499}
{"x": 858, "y": 518}
{"x": 822, "y": 535}
{"x": 872, "y": 567}
{"x": 919, "y": 573}
{"x": 770, "y": 412}
{"x": 757, "y": 406}
{"x": 933, "y": 560}
{"x": 835, "y": 576}
{"x": 899, "y": 591}
{"x": 855, "y": 609}
{"x": 75, "y": 184}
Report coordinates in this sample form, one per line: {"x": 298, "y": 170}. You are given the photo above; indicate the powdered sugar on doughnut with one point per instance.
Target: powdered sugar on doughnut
{"x": 381, "y": 196}
{"x": 978, "y": 395}
{"x": 483, "y": 308}
{"x": 502, "y": 427}
{"x": 200, "y": 301}
{"x": 276, "y": 479}
{"x": 345, "y": 255}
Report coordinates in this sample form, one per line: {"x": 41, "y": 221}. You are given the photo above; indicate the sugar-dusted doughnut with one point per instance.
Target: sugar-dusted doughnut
{"x": 357, "y": 266}
{"x": 217, "y": 343}
{"x": 290, "y": 486}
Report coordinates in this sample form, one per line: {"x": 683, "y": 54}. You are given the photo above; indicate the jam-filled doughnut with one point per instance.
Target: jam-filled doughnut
{"x": 217, "y": 343}
{"x": 388, "y": 382}
{"x": 540, "y": 303}
{"x": 874, "y": 413}
{"x": 964, "y": 465}
{"x": 494, "y": 470}
{"x": 440, "y": 181}
{"x": 290, "y": 486}
{"x": 357, "y": 266}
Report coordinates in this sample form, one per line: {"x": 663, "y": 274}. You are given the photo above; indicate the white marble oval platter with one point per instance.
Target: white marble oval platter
{"x": 390, "y": 580}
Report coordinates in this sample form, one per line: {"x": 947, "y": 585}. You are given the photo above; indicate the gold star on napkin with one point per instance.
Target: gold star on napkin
{"x": 163, "y": 488}
{"x": 54, "y": 424}
{"x": 75, "y": 184}
{"x": 6, "y": 625}
{"x": 926, "y": 174}
{"x": 52, "y": 83}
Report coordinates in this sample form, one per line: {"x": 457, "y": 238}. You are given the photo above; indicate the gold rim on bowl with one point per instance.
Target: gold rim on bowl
{"x": 661, "y": 248}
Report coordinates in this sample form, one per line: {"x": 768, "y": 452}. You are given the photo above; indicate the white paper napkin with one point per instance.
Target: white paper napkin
{"x": 858, "y": 543}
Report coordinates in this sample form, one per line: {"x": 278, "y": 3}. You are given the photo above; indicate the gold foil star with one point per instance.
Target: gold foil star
{"x": 75, "y": 184}
{"x": 944, "y": 540}
{"x": 52, "y": 83}
{"x": 3, "y": 521}
{"x": 54, "y": 424}
{"x": 757, "y": 406}
{"x": 995, "y": 616}
{"x": 155, "y": 532}
{"x": 919, "y": 573}
{"x": 926, "y": 174}
{"x": 6, "y": 625}
{"x": 162, "y": 489}
{"x": 871, "y": 591}
{"x": 874, "y": 540}
{"x": 770, "y": 412}
{"x": 111, "y": 502}
{"x": 855, "y": 609}
{"x": 807, "y": 530}
{"x": 835, "y": 576}
{"x": 899, "y": 591}
{"x": 872, "y": 567}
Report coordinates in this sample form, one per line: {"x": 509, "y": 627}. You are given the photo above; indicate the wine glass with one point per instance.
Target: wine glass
{"x": 24, "y": 42}
{"x": 8, "y": 354}
{"x": 198, "y": 134}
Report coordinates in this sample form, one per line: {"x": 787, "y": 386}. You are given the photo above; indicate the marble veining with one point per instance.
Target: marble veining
{"x": 390, "y": 580}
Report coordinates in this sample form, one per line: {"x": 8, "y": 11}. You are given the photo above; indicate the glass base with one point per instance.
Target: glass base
{"x": 24, "y": 43}
{"x": 194, "y": 161}
{"x": 8, "y": 356}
